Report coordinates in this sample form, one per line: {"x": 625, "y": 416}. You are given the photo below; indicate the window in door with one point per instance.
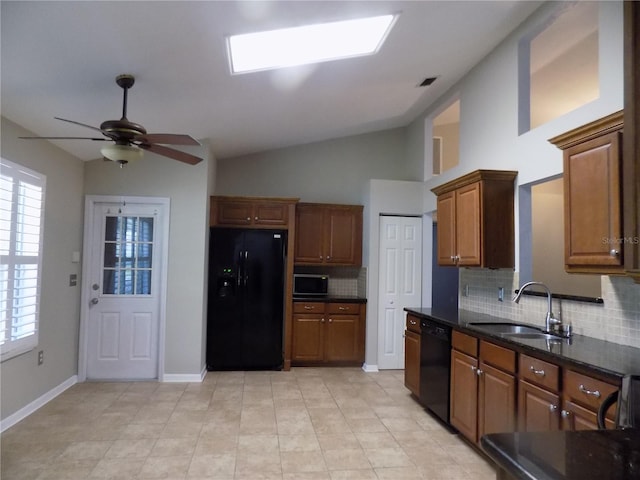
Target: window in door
{"x": 128, "y": 255}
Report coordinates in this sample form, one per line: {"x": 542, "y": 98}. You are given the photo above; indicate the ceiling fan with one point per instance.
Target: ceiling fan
{"x": 130, "y": 139}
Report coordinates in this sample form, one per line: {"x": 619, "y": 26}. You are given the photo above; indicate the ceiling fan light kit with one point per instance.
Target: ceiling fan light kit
{"x": 121, "y": 154}
{"x": 131, "y": 139}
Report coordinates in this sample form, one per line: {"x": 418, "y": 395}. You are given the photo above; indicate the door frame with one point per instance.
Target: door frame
{"x": 90, "y": 206}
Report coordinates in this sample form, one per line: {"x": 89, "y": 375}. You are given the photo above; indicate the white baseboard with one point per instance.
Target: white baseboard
{"x": 39, "y": 402}
{"x": 370, "y": 368}
{"x": 185, "y": 377}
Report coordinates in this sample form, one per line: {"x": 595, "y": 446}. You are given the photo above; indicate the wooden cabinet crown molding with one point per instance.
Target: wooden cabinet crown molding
{"x": 597, "y": 128}
{"x": 473, "y": 177}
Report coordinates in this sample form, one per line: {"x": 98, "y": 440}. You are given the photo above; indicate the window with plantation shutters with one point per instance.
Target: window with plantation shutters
{"x": 21, "y": 221}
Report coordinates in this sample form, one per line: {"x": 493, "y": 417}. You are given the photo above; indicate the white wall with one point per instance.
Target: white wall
{"x": 489, "y": 139}
{"x": 22, "y": 380}
{"x": 383, "y": 197}
{"x": 188, "y": 188}
{"x": 333, "y": 171}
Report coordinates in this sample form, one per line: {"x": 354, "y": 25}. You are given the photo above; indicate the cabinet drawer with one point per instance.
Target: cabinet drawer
{"x": 498, "y": 357}
{"x": 586, "y": 390}
{"x": 344, "y": 308}
{"x": 539, "y": 372}
{"x": 465, "y": 343}
{"x": 308, "y": 307}
{"x": 413, "y": 324}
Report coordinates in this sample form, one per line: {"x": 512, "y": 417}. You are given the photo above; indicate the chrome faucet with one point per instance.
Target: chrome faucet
{"x": 550, "y": 319}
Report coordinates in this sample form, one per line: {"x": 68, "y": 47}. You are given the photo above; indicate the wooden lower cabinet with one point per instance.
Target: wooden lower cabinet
{"x": 412, "y": 362}
{"x": 538, "y": 409}
{"x": 308, "y": 332}
{"x": 490, "y": 395}
{"x": 483, "y": 389}
{"x": 325, "y": 333}
{"x": 464, "y": 394}
{"x": 496, "y": 401}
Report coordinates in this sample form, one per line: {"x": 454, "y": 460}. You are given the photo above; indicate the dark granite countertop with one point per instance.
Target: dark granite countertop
{"x": 607, "y": 358}
{"x": 567, "y": 455}
{"x": 331, "y": 299}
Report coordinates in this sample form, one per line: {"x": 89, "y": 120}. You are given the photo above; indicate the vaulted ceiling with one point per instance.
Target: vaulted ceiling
{"x": 61, "y": 59}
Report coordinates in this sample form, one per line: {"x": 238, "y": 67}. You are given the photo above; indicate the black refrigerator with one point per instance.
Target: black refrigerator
{"x": 246, "y": 299}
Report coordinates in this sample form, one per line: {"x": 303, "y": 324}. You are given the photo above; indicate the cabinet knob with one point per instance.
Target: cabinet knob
{"x": 614, "y": 252}
{"x": 412, "y": 322}
{"x": 308, "y": 307}
{"x": 328, "y": 257}
{"x": 255, "y": 218}
{"x": 553, "y": 408}
{"x": 322, "y": 320}
{"x": 479, "y": 372}
{"x": 565, "y": 414}
{"x": 536, "y": 372}
{"x": 453, "y": 258}
{"x": 347, "y": 308}
{"x": 473, "y": 369}
{"x": 248, "y": 219}
{"x": 330, "y": 320}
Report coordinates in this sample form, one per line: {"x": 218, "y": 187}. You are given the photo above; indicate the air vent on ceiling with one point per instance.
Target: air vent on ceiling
{"x": 428, "y": 81}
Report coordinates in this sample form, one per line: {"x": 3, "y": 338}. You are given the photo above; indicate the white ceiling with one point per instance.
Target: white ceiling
{"x": 61, "y": 59}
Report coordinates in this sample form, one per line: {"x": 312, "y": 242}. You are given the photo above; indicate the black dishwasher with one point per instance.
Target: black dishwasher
{"x": 435, "y": 367}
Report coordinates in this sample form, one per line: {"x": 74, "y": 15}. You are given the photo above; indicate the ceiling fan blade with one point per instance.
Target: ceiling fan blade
{"x": 68, "y": 138}
{"x": 167, "y": 139}
{"x": 78, "y": 123}
{"x": 171, "y": 153}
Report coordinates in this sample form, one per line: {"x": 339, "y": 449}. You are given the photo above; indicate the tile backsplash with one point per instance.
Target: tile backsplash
{"x": 617, "y": 320}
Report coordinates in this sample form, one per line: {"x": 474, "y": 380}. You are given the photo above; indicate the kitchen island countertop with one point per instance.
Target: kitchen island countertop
{"x": 566, "y": 455}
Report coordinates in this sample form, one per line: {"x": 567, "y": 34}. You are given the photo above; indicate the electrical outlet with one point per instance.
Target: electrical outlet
{"x": 40, "y": 357}
{"x": 501, "y": 294}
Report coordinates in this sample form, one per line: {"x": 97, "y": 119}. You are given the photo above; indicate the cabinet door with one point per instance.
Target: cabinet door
{"x": 575, "y": 417}
{"x": 309, "y": 234}
{"x": 308, "y": 338}
{"x": 468, "y": 225}
{"x": 593, "y": 227}
{"x": 342, "y": 341}
{"x": 231, "y": 212}
{"x": 412, "y": 362}
{"x": 268, "y": 213}
{"x": 538, "y": 409}
{"x": 496, "y": 401}
{"x": 464, "y": 394}
{"x": 343, "y": 240}
{"x": 447, "y": 228}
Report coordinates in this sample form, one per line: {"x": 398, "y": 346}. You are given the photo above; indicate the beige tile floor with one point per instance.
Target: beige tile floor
{"x": 305, "y": 424}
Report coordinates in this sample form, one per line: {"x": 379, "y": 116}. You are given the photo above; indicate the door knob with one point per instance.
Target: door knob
{"x": 94, "y": 301}
{"x": 95, "y": 286}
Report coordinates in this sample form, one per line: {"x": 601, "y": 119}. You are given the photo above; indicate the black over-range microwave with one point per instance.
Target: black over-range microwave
{"x": 307, "y": 285}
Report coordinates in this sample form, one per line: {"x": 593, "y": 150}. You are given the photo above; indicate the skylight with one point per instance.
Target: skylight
{"x": 308, "y": 44}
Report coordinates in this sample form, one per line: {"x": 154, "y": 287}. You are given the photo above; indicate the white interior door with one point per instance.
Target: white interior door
{"x": 400, "y": 284}
{"x": 125, "y": 268}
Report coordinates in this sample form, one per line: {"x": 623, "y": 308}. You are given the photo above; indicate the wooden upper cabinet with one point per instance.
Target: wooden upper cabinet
{"x": 475, "y": 220}
{"x": 592, "y": 196}
{"x": 250, "y": 212}
{"x": 328, "y": 234}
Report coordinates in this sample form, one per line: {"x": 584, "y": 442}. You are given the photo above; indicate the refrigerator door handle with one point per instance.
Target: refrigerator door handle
{"x": 239, "y": 274}
{"x": 246, "y": 259}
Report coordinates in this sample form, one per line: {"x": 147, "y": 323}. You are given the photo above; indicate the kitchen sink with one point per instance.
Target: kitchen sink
{"x": 533, "y": 336}
{"x": 507, "y": 328}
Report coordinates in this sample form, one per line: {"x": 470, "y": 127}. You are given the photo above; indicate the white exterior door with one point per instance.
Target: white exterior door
{"x": 122, "y": 290}
{"x": 400, "y": 284}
